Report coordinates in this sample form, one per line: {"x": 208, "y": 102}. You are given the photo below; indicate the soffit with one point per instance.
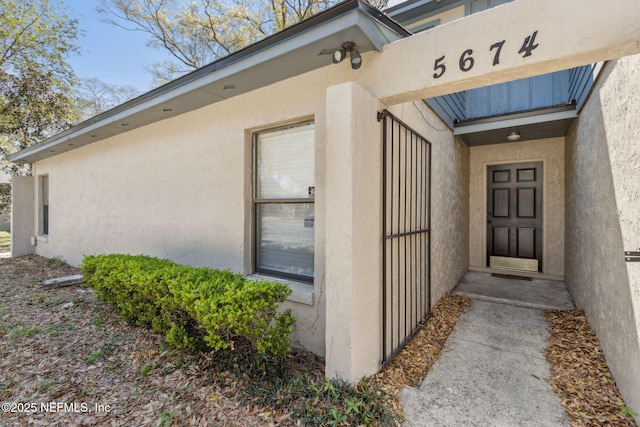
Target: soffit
{"x": 537, "y": 124}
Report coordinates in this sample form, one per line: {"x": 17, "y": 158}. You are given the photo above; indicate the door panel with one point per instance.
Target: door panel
{"x": 501, "y": 203}
{"x": 526, "y": 242}
{"x": 514, "y": 214}
{"x": 526, "y": 202}
{"x": 501, "y": 241}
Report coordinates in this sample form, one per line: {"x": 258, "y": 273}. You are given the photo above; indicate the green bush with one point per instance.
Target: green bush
{"x": 193, "y": 307}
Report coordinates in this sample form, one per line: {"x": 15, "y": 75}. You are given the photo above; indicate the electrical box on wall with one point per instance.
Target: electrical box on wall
{"x": 34, "y": 240}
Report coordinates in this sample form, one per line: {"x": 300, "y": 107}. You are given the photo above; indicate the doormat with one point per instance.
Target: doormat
{"x": 510, "y": 276}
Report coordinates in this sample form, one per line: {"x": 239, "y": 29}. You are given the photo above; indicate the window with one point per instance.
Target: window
{"x": 283, "y": 201}
{"x": 44, "y": 205}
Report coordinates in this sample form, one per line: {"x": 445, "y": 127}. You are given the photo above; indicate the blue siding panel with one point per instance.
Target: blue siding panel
{"x": 581, "y": 82}
{"x": 542, "y": 91}
{"x": 499, "y": 101}
{"x": 520, "y": 94}
{"x": 449, "y": 107}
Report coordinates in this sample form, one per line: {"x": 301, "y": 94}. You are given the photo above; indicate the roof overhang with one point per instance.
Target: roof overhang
{"x": 412, "y": 11}
{"x": 296, "y": 50}
{"x": 536, "y": 124}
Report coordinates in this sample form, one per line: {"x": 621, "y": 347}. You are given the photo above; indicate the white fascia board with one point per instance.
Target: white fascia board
{"x": 520, "y": 121}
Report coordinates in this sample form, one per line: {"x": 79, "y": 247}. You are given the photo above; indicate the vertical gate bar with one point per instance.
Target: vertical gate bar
{"x": 384, "y": 237}
{"x": 405, "y": 239}
{"x": 422, "y": 189}
{"x": 392, "y": 278}
{"x": 411, "y": 236}
{"x": 397, "y": 306}
{"x": 416, "y": 266}
{"x": 418, "y": 249}
{"x": 429, "y": 240}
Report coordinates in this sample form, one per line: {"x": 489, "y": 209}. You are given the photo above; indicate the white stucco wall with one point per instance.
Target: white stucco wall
{"x": 551, "y": 153}
{"x": 603, "y": 206}
{"x": 181, "y": 189}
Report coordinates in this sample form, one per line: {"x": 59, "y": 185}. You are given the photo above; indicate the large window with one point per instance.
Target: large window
{"x": 44, "y": 205}
{"x": 284, "y": 165}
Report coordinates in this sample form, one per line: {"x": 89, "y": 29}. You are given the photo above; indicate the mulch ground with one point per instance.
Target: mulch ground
{"x": 580, "y": 375}
{"x": 63, "y": 346}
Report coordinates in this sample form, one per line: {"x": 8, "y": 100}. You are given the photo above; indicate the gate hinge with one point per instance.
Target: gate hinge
{"x": 381, "y": 115}
{"x": 632, "y": 256}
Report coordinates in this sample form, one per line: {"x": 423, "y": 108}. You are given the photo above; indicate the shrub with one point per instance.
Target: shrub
{"x": 193, "y": 307}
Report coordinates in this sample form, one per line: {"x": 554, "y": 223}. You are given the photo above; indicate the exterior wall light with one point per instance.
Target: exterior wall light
{"x": 338, "y": 55}
{"x": 356, "y": 59}
{"x": 513, "y": 136}
{"x": 341, "y": 53}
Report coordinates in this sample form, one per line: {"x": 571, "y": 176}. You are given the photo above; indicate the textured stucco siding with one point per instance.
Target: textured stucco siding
{"x": 551, "y": 153}
{"x": 603, "y": 218}
{"x": 181, "y": 189}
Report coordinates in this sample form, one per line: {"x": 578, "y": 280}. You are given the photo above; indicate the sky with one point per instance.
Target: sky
{"x": 109, "y": 53}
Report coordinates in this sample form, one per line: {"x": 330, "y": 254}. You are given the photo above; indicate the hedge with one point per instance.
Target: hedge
{"x": 193, "y": 307}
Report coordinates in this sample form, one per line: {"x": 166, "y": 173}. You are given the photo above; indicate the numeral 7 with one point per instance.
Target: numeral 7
{"x": 496, "y": 58}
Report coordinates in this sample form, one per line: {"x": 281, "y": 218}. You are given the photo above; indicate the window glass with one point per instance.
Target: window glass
{"x": 44, "y": 202}
{"x": 285, "y": 238}
{"x": 286, "y": 166}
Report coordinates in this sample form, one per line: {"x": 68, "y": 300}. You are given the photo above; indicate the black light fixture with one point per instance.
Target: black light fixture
{"x": 341, "y": 53}
{"x": 356, "y": 59}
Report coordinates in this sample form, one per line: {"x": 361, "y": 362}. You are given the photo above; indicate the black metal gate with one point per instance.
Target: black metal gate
{"x": 406, "y": 219}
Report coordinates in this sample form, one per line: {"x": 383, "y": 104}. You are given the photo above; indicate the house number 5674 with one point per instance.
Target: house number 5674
{"x": 466, "y": 61}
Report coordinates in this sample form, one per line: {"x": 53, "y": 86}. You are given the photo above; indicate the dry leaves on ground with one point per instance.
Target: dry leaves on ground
{"x": 63, "y": 346}
{"x": 579, "y": 373}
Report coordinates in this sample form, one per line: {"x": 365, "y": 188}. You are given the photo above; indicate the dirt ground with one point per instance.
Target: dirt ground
{"x": 64, "y": 349}
{"x": 66, "y": 359}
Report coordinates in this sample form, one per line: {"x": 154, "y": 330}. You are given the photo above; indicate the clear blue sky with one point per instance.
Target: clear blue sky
{"x": 109, "y": 53}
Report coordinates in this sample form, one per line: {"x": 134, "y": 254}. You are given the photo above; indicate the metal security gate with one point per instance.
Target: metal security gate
{"x": 406, "y": 218}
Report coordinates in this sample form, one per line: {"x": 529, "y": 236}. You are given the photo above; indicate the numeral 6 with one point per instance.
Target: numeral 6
{"x": 466, "y": 61}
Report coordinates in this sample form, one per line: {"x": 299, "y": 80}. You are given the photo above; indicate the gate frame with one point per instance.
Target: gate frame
{"x": 423, "y": 314}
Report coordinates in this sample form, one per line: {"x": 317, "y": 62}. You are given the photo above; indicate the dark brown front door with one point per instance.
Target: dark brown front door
{"x": 514, "y": 216}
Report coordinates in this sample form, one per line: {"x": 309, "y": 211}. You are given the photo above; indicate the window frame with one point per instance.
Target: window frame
{"x": 43, "y": 205}
{"x": 256, "y": 202}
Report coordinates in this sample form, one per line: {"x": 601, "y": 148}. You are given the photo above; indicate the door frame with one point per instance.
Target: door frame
{"x": 545, "y": 215}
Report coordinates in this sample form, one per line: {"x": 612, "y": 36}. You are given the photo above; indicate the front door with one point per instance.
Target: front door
{"x": 514, "y": 216}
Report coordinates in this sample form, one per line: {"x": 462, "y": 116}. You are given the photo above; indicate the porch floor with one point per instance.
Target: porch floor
{"x": 535, "y": 293}
{"x": 493, "y": 367}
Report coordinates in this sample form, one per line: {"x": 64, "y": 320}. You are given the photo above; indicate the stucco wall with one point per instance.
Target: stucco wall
{"x": 603, "y": 206}
{"x": 551, "y": 153}
{"x": 181, "y": 189}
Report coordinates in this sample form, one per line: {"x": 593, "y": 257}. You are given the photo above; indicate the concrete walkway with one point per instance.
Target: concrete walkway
{"x": 493, "y": 368}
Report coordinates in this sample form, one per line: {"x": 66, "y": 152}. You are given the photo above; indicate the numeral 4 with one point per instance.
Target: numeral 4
{"x": 528, "y": 45}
